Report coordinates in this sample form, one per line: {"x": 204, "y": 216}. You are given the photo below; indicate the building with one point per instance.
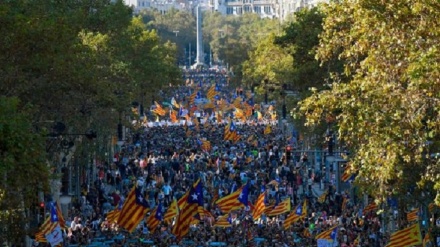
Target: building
{"x": 274, "y": 9}
{"x": 279, "y": 9}
{"x": 162, "y": 6}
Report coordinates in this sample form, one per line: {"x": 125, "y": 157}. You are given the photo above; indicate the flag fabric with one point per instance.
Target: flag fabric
{"x": 329, "y": 234}
{"x": 194, "y": 200}
{"x": 348, "y": 174}
{"x": 204, "y": 213}
{"x": 322, "y": 197}
{"x": 181, "y": 203}
{"x": 134, "y": 209}
{"x": 206, "y": 146}
{"x": 159, "y": 110}
{"x": 223, "y": 221}
{"x": 113, "y": 215}
{"x": 174, "y": 103}
{"x": 61, "y": 220}
{"x": 427, "y": 240}
{"x": 283, "y": 207}
{"x": 171, "y": 212}
{"x": 155, "y": 218}
{"x": 413, "y": 215}
{"x": 357, "y": 241}
{"x": 52, "y": 221}
{"x": 192, "y": 98}
{"x": 344, "y": 203}
{"x": 55, "y": 236}
{"x": 173, "y": 116}
{"x": 306, "y": 233}
{"x": 268, "y": 129}
{"x": 370, "y": 207}
{"x": 406, "y": 237}
{"x": 40, "y": 238}
{"x": 259, "y": 206}
{"x": 211, "y": 93}
{"x": 299, "y": 213}
{"x": 235, "y": 200}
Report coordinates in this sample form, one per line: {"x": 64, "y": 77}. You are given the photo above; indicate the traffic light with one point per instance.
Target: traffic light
{"x": 41, "y": 210}
{"x": 288, "y": 153}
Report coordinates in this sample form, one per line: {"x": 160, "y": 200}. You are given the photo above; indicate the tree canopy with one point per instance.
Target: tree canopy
{"x": 387, "y": 107}
{"x": 81, "y": 63}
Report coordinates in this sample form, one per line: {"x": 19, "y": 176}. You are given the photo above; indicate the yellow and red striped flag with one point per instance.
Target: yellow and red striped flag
{"x": 206, "y": 146}
{"x": 113, "y": 215}
{"x": 223, "y": 221}
{"x": 306, "y": 233}
{"x": 211, "y": 93}
{"x": 357, "y": 241}
{"x": 134, "y": 209}
{"x": 281, "y": 208}
{"x": 323, "y": 197}
{"x": 370, "y": 207}
{"x": 173, "y": 116}
{"x": 299, "y": 213}
{"x": 204, "y": 213}
{"x": 234, "y": 200}
{"x": 194, "y": 200}
{"x": 171, "y": 212}
{"x": 237, "y": 102}
{"x": 159, "y": 110}
{"x": 329, "y": 234}
{"x": 348, "y": 174}
{"x": 192, "y": 98}
{"x": 155, "y": 218}
{"x": 406, "y": 237}
{"x": 427, "y": 240}
{"x": 259, "y": 206}
{"x": 413, "y": 215}
{"x": 268, "y": 129}
{"x": 49, "y": 225}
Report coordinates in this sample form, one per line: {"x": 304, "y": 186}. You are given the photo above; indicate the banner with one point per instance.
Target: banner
{"x": 55, "y": 236}
{"x": 327, "y": 243}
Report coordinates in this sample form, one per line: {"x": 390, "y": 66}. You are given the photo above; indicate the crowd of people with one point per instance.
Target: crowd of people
{"x": 168, "y": 159}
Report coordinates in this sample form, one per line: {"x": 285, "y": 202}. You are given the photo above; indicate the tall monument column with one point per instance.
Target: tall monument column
{"x": 200, "y": 58}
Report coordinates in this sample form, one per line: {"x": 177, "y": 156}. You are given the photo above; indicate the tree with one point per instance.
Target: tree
{"x": 178, "y": 27}
{"x": 268, "y": 62}
{"x": 22, "y": 152}
{"x": 301, "y": 39}
{"x": 387, "y": 108}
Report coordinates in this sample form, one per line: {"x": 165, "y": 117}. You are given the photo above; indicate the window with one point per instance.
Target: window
{"x": 229, "y": 11}
{"x": 247, "y": 8}
{"x": 257, "y": 9}
{"x": 267, "y": 9}
{"x": 239, "y": 10}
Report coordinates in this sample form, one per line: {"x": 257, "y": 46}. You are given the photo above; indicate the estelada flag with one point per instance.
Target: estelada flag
{"x": 134, "y": 209}
{"x": 409, "y": 236}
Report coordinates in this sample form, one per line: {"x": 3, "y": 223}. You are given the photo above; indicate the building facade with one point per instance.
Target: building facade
{"x": 279, "y": 9}
{"x": 274, "y": 9}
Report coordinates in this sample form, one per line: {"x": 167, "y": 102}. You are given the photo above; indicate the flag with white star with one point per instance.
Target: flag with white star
{"x": 134, "y": 209}
{"x": 53, "y": 213}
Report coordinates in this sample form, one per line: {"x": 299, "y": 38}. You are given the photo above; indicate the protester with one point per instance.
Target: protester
{"x": 169, "y": 157}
